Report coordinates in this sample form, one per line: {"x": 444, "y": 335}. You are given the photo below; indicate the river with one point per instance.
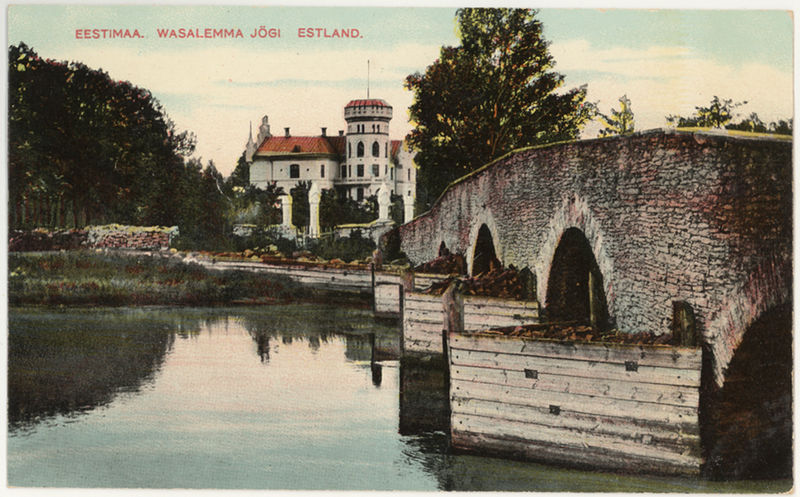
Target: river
{"x": 271, "y": 397}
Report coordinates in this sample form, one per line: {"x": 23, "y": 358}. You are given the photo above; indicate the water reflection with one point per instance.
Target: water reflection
{"x": 65, "y": 363}
{"x": 250, "y": 398}
{"x": 424, "y": 402}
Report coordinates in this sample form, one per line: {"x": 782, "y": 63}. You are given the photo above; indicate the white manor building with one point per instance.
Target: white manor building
{"x": 356, "y": 163}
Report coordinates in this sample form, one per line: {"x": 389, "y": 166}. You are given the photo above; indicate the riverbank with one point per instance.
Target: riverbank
{"x": 107, "y": 278}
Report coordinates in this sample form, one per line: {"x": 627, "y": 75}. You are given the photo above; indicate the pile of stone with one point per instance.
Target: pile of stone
{"x": 444, "y": 264}
{"x": 580, "y": 333}
{"x": 505, "y": 283}
{"x": 131, "y": 237}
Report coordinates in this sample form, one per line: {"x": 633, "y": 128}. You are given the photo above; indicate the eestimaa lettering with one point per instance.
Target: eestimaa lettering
{"x": 102, "y": 33}
{"x": 199, "y": 33}
{"x": 324, "y": 33}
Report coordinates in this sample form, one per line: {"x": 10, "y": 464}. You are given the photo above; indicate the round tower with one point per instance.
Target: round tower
{"x": 368, "y": 146}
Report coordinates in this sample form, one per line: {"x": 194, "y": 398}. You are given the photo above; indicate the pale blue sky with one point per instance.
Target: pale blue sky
{"x": 666, "y": 61}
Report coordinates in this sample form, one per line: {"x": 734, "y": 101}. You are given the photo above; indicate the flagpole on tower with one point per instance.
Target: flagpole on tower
{"x": 368, "y": 78}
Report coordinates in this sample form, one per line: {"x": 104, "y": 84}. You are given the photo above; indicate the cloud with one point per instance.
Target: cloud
{"x": 661, "y": 81}
{"x": 217, "y": 92}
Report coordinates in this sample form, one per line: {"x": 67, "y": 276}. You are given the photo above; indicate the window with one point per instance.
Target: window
{"x": 294, "y": 171}
{"x": 385, "y": 169}
{"x": 386, "y": 149}
{"x": 409, "y": 174}
{"x": 322, "y": 170}
{"x": 391, "y": 174}
{"x": 360, "y": 149}
{"x": 360, "y": 170}
{"x": 350, "y": 171}
{"x": 349, "y": 149}
{"x": 376, "y": 170}
{"x": 376, "y": 149}
{"x": 344, "y": 171}
{"x": 360, "y": 194}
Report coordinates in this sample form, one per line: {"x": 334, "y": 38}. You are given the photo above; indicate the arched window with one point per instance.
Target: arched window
{"x": 349, "y": 149}
{"x": 360, "y": 149}
{"x": 376, "y": 149}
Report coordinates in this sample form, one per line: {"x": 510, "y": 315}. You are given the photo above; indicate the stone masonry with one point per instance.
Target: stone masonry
{"x": 670, "y": 215}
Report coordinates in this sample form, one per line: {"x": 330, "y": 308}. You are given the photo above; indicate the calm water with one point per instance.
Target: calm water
{"x": 279, "y": 397}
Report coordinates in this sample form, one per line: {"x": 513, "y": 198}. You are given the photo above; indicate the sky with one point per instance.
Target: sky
{"x": 665, "y": 61}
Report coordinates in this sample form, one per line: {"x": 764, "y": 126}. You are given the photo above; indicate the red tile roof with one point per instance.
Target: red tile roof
{"x": 396, "y": 147}
{"x": 298, "y": 144}
{"x": 333, "y": 145}
{"x": 364, "y": 102}
{"x": 339, "y": 143}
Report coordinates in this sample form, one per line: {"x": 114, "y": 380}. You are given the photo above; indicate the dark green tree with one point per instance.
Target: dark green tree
{"x": 717, "y": 114}
{"x": 621, "y": 121}
{"x": 493, "y": 93}
{"x": 781, "y": 126}
{"x": 335, "y": 209}
{"x": 300, "y": 207}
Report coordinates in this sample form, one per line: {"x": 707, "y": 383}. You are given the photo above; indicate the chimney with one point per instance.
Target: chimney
{"x": 341, "y": 132}
{"x": 286, "y": 131}
{"x": 324, "y": 131}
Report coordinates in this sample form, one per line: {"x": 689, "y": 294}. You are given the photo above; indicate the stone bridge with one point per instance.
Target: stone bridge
{"x": 636, "y": 233}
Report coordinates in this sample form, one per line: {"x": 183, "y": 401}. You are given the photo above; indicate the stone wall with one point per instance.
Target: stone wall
{"x": 700, "y": 217}
{"x": 131, "y": 237}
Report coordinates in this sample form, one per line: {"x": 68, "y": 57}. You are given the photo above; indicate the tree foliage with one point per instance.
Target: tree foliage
{"x": 719, "y": 113}
{"x": 84, "y": 148}
{"x": 620, "y": 122}
{"x": 337, "y": 209}
{"x": 493, "y": 93}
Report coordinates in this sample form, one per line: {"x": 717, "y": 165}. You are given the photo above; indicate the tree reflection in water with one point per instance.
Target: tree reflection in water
{"x": 73, "y": 362}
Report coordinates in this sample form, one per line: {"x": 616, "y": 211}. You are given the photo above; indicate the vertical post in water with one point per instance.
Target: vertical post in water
{"x": 372, "y": 271}
{"x": 453, "y": 307}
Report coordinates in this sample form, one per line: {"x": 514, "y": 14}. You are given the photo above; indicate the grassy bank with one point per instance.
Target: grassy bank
{"x": 91, "y": 278}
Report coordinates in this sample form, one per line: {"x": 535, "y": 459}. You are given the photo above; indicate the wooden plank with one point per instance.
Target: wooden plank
{"x": 573, "y": 367}
{"x": 480, "y": 300}
{"x": 388, "y": 279}
{"x": 512, "y": 314}
{"x": 586, "y": 441}
{"x": 421, "y": 300}
{"x": 421, "y": 345}
{"x": 613, "y": 389}
{"x": 414, "y": 332}
{"x": 428, "y": 317}
{"x": 683, "y": 417}
{"x": 489, "y": 321}
{"x": 624, "y": 428}
{"x": 652, "y": 355}
{"x": 568, "y": 455}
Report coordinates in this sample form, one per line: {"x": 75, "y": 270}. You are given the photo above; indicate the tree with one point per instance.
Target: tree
{"x": 300, "y": 208}
{"x": 717, "y": 114}
{"x": 621, "y": 121}
{"x": 492, "y": 94}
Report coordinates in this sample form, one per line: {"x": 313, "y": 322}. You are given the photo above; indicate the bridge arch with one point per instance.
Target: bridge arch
{"x": 574, "y": 213}
{"x": 748, "y": 421}
{"x": 575, "y": 290}
{"x": 483, "y": 242}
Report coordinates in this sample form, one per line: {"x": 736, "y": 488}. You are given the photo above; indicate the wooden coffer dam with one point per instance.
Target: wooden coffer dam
{"x": 599, "y": 405}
